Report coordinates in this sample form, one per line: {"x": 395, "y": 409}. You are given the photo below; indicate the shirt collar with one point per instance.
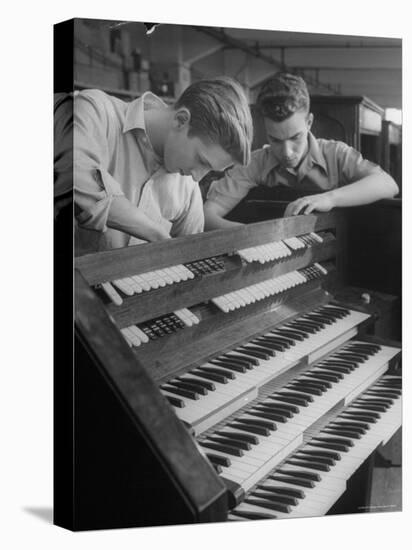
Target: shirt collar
{"x": 134, "y": 118}
{"x": 313, "y": 156}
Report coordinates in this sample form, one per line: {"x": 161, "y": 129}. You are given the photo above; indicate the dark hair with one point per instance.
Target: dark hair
{"x": 220, "y": 113}
{"x": 282, "y": 96}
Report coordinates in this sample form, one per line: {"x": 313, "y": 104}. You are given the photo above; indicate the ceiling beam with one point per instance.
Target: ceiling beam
{"x": 255, "y": 52}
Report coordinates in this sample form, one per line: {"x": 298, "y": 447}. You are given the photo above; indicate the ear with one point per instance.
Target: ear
{"x": 181, "y": 118}
{"x": 310, "y": 120}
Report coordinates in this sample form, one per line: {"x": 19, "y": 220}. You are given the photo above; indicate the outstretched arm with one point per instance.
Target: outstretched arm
{"x": 371, "y": 188}
{"x": 214, "y": 216}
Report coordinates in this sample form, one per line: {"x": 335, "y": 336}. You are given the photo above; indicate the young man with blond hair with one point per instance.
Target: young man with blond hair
{"x": 136, "y": 165}
{"x": 324, "y": 174}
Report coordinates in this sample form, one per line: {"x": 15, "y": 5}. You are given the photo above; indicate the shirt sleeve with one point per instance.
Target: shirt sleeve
{"x": 237, "y": 183}
{"x": 192, "y": 218}
{"x": 63, "y": 151}
{"x": 94, "y": 187}
{"x": 352, "y": 166}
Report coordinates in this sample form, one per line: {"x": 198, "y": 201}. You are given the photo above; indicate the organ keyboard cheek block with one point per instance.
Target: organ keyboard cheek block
{"x": 216, "y": 379}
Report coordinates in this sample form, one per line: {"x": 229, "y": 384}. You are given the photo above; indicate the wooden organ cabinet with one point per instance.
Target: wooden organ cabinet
{"x": 356, "y": 120}
{"x": 392, "y": 151}
{"x": 216, "y": 379}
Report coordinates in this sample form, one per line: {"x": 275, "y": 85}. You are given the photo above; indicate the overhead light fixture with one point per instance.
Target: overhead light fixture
{"x": 150, "y": 27}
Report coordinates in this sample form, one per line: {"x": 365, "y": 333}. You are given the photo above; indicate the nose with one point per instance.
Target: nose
{"x": 199, "y": 173}
{"x": 287, "y": 149}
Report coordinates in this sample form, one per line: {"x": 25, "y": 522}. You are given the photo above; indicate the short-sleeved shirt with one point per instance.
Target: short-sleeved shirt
{"x": 113, "y": 156}
{"x": 327, "y": 165}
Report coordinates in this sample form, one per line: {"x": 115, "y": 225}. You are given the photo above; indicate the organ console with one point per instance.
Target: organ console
{"x": 217, "y": 380}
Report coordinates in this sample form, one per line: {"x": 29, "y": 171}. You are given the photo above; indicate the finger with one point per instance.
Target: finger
{"x": 309, "y": 208}
{"x": 290, "y": 209}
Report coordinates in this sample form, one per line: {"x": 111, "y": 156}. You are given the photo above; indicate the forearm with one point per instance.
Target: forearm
{"x": 367, "y": 190}
{"x": 215, "y": 220}
{"x": 126, "y": 217}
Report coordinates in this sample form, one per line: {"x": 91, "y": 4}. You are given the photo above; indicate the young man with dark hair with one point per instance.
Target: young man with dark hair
{"x": 323, "y": 173}
{"x": 136, "y": 165}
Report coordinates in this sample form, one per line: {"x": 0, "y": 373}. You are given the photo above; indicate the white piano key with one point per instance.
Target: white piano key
{"x": 123, "y": 286}
{"x": 139, "y": 334}
{"x": 112, "y": 294}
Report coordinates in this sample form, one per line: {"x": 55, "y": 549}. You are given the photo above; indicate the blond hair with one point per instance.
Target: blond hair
{"x": 220, "y": 114}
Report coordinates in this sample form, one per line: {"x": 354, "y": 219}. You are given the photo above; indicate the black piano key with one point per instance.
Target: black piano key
{"x": 371, "y": 411}
{"x": 355, "y": 357}
{"x": 275, "y": 497}
{"x": 251, "y": 515}
{"x": 359, "y": 427}
{"x": 188, "y": 386}
{"x": 314, "y": 458}
{"x": 341, "y": 313}
{"x": 218, "y": 370}
{"x": 311, "y": 328}
{"x": 272, "y": 343}
{"x": 175, "y": 401}
{"x": 390, "y": 396}
{"x": 259, "y": 420}
{"x": 300, "y": 401}
{"x": 323, "y": 442}
{"x": 300, "y": 482}
{"x": 295, "y": 493}
{"x": 228, "y": 365}
{"x": 358, "y": 415}
{"x": 299, "y": 332}
{"x": 279, "y": 507}
{"x": 372, "y": 350}
{"x": 248, "y": 350}
{"x": 328, "y": 370}
{"x": 251, "y": 361}
{"x": 232, "y": 360}
{"x": 292, "y": 395}
{"x": 335, "y": 361}
{"x": 270, "y": 352}
{"x": 323, "y": 376}
{"x": 252, "y": 439}
{"x": 321, "y": 453}
{"x": 249, "y": 426}
{"x": 211, "y": 376}
{"x": 281, "y": 338}
{"x": 319, "y": 466}
{"x": 301, "y": 474}
{"x": 294, "y": 334}
{"x": 322, "y": 384}
{"x": 221, "y": 447}
{"x": 335, "y": 308}
{"x": 244, "y": 445}
{"x": 317, "y": 317}
{"x": 364, "y": 398}
{"x": 305, "y": 388}
{"x": 285, "y": 413}
{"x": 342, "y": 432}
{"x": 219, "y": 459}
{"x": 265, "y": 413}
{"x": 282, "y": 403}
{"x": 324, "y": 437}
{"x": 334, "y": 368}
{"x": 205, "y": 383}
{"x": 180, "y": 391}
{"x": 339, "y": 361}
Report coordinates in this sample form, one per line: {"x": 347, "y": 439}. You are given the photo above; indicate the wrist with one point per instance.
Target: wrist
{"x": 333, "y": 197}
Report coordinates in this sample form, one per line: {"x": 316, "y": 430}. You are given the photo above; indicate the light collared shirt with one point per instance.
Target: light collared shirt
{"x": 114, "y": 157}
{"x": 327, "y": 165}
